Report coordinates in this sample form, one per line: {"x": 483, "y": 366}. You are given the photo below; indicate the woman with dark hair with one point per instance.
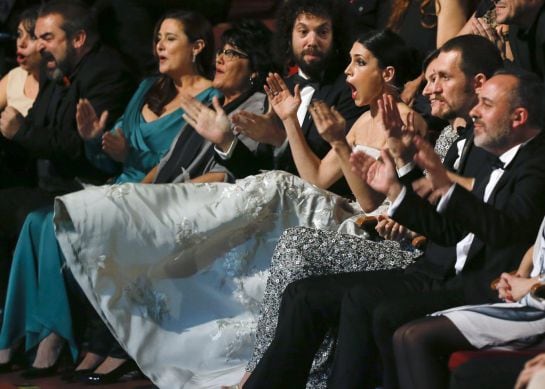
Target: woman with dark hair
{"x": 19, "y": 87}
{"x": 380, "y": 64}
{"x": 37, "y": 307}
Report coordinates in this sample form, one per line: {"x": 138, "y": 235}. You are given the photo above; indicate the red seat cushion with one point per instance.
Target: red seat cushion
{"x": 460, "y": 357}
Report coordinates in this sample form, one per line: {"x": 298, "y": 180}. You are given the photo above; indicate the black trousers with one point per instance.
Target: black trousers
{"x": 367, "y": 308}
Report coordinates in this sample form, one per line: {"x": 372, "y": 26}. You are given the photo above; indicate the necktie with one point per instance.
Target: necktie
{"x": 297, "y": 79}
{"x": 495, "y": 164}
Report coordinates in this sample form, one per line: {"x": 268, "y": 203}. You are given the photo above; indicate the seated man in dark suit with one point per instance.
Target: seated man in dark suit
{"x": 482, "y": 234}
{"x": 314, "y": 36}
{"x": 76, "y": 66}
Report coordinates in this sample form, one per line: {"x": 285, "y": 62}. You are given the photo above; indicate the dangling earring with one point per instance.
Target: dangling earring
{"x": 252, "y": 82}
{"x": 194, "y": 57}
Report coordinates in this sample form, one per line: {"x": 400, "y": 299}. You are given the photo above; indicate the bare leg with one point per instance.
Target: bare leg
{"x": 109, "y": 364}
{"x": 5, "y": 355}
{"x": 48, "y": 351}
{"x": 89, "y": 361}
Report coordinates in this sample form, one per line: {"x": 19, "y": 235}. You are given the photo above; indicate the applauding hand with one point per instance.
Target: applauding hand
{"x": 284, "y": 104}
{"x": 89, "y": 124}
{"x": 427, "y": 159}
{"x": 115, "y": 145}
{"x": 400, "y": 135}
{"x": 329, "y": 122}
{"x": 211, "y": 124}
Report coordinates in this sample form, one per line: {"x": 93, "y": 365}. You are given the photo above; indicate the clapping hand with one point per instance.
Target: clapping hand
{"x": 479, "y": 26}
{"x": 212, "y": 124}
{"x": 261, "y": 128}
{"x": 282, "y": 101}
{"x": 400, "y": 135}
{"x": 427, "y": 159}
{"x": 379, "y": 174}
{"x": 512, "y": 288}
{"x": 11, "y": 122}
{"x": 115, "y": 145}
{"x": 329, "y": 122}
{"x": 89, "y": 124}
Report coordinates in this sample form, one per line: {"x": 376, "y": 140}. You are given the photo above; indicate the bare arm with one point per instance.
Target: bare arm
{"x": 451, "y": 18}
{"x": 148, "y": 179}
{"x": 526, "y": 265}
{"x": 3, "y": 92}
{"x": 209, "y": 177}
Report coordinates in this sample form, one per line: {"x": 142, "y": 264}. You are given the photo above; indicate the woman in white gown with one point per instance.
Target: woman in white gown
{"x": 177, "y": 272}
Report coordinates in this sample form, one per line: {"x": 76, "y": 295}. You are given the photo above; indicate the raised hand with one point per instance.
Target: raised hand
{"x": 329, "y": 122}
{"x": 115, "y": 145}
{"x": 284, "y": 104}
{"x": 479, "y": 26}
{"x": 427, "y": 159}
{"x": 382, "y": 175}
{"x": 361, "y": 162}
{"x": 89, "y": 124}
{"x": 11, "y": 122}
{"x": 261, "y": 128}
{"x": 400, "y": 135}
{"x": 211, "y": 124}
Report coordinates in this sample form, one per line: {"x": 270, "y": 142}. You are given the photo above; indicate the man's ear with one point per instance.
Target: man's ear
{"x": 79, "y": 39}
{"x": 478, "y": 82}
{"x": 519, "y": 117}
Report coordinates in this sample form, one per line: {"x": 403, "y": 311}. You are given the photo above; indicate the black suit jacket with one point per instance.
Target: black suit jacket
{"x": 50, "y": 130}
{"x": 504, "y": 227}
{"x": 334, "y": 92}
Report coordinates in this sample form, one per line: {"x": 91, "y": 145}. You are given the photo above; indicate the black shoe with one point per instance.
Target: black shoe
{"x": 6, "y": 367}
{"x": 38, "y": 372}
{"x": 75, "y": 375}
{"x": 113, "y": 376}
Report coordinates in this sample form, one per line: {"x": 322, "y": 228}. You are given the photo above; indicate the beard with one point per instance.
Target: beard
{"x": 62, "y": 68}
{"x": 313, "y": 69}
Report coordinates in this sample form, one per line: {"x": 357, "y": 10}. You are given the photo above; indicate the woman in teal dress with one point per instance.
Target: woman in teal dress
{"x": 37, "y": 306}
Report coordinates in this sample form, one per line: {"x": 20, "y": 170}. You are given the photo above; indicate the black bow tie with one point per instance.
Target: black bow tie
{"x": 298, "y": 79}
{"x": 497, "y": 164}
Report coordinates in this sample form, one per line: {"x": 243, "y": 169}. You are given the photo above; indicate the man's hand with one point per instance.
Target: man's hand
{"x": 530, "y": 368}
{"x": 115, "y": 145}
{"x": 89, "y": 124}
{"x": 330, "y": 123}
{"x": 389, "y": 229}
{"x": 261, "y": 128}
{"x": 211, "y": 124}
{"x": 428, "y": 160}
{"x": 400, "y": 135}
{"x": 281, "y": 100}
{"x": 11, "y": 122}
{"x": 379, "y": 174}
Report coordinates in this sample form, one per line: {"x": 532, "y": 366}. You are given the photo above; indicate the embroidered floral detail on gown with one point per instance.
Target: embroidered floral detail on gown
{"x": 303, "y": 252}
{"x": 178, "y": 271}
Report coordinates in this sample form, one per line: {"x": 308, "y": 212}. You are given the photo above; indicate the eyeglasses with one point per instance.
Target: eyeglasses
{"x": 231, "y": 54}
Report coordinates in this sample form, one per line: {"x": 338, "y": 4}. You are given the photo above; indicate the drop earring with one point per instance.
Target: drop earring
{"x": 194, "y": 57}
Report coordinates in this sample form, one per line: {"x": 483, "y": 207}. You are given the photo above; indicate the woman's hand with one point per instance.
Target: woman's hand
{"x": 512, "y": 288}
{"x": 115, "y": 145}
{"x": 329, "y": 122}
{"x": 284, "y": 104}
{"x": 389, "y": 229}
{"x": 89, "y": 124}
{"x": 211, "y": 124}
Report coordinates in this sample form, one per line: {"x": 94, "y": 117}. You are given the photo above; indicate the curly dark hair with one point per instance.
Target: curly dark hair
{"x": 343, "y": 31}
{"x": 253, "y": 38}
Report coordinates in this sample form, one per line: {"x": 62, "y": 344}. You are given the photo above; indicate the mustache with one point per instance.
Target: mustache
{"x": 47, "y": 56}
{"x": 311, "y": 51}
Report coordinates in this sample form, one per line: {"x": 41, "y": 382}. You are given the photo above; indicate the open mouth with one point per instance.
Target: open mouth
{"x": 353, "y": 89}
{"x": 20, "y": 58}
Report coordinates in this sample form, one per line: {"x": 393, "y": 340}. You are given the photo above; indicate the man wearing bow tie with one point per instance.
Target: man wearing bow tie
{"x": 314, "y": 36}
{"x": 472, "y": 237}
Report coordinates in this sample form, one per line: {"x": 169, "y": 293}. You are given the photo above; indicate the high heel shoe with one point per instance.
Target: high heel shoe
{"x": 113, "y": 376}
